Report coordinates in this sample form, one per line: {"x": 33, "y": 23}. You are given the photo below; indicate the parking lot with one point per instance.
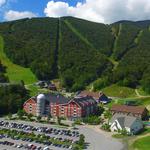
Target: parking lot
{"x": 95, "y": 140}
{"x": 10, "y": 144}
{"x": 54, "y": 138}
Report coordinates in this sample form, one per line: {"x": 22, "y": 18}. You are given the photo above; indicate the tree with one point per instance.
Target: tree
{"x": 108, "y": 115}
{"x": 12, "y": 98}
{"x": 39, "y": 118}
{"x": 22, "y": 83}
{"x": 146, "y": 84}
{"x": 124, "y": 132}
{"x": 76, "y": 147}
{"x": 59, "y": 120}
{"x": 100, "y": 84}
{"x": 48, "y": 118}
{"x": 81, "y": 141}
{"x": 20, "y": 113}
{"x": 93, "y": 120}
{"x": 106, "y": 127}
{"x": 10, "y": 116}
{"x": 29, "y": 116}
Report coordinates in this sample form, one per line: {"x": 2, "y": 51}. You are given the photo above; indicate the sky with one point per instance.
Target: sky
{"x": 103, "y": 11}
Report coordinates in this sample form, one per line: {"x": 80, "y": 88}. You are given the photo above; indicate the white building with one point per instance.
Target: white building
{"x": 131, "y": 124}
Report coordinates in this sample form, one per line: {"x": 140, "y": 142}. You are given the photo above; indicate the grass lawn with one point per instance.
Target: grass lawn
{"x": 118, "y": 136}
{"x": 146, "y": 131}
{"x": 139, "y": 101}
{"x": 141, "y": 92}
{"x": 15, "y": 72}
{"x": 118, "y": 91}
{"x": 142, "y": 143}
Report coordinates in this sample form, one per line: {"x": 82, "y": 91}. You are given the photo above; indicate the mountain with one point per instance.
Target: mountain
{"x": 79, "y": 52}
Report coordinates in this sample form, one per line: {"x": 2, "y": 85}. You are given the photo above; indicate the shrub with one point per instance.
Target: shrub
{"x": 106, "y": 127}
{"x": 93, "y": 120}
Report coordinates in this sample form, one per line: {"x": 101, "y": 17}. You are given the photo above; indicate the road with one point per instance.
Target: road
{"x": 99, "y": 140}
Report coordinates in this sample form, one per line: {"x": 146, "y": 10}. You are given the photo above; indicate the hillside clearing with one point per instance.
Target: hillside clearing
{"x": 118, "y": 91}
{"x": 78, "y": 34}
{"x": 15, "y": 72}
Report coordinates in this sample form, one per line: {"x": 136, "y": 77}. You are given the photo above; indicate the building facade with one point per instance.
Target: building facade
{"x": 59, "y": 106}
{"x": 123, "y": 122}
{"x": 30, "y": 106}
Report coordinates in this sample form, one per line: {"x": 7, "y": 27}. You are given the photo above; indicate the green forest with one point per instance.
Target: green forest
{"x": 80, "y": 52}
{"x": 12, "y": 96}
{"x": 3, "y": 77}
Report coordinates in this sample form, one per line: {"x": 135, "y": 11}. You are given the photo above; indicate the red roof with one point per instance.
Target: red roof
{"x": 95, "y": 95}
{"x": 128, "y": 109}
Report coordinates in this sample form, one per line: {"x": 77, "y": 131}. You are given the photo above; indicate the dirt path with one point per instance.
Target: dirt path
{"x": 139, "y": 95}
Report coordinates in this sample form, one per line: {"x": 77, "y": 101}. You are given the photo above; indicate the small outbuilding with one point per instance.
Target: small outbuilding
{"x": 135, "y": 111}
{"x": 100, "y": 97}
{"x": 52, "y": 87}
{"x": 123, "y": 122}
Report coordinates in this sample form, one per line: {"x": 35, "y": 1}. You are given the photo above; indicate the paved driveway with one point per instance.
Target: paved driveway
{"x": 99, "y": 141}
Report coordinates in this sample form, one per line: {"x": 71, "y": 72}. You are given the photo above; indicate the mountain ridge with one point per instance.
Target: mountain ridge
{"x": 79, "y": 51}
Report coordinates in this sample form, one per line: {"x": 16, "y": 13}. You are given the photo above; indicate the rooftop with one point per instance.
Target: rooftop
{"x": 55, "y": 98}
{"x": 124, "y": 120}
{"x": 83, "y": 101}
{"x": 128, "y": 109}
{"x": 95, "y": 95}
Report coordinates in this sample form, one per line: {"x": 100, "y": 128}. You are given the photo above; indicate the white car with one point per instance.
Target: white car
{"x": 46, "y": 148}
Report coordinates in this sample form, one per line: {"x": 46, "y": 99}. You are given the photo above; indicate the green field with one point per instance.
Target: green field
{"x": 145, "y": 101}
{"x": 118, "y": 91}
{"x": 142, "y": 143}
{"x": 15, "y": 72}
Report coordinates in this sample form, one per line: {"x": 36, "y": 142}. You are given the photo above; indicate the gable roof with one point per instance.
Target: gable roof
{"x": 30, "y": 99}
{"x": 84, "y": 101}
{"x": 128, "y": 109}
{"x": 123, "y": 120}
{"x": 96, "y": 95}
{"x": 54, "y": 98}
{"x": 103, "y": 97}
{"x": 89, "y": 93}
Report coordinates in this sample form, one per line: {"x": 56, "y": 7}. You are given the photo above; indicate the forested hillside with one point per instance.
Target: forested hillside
{"x": 79, "y": 52}
{"x": 79, "y": 64}
{"x": 97, "y": 35}
{"x": 134, "y": 66}
{"x": 12, "y": 96}
{"x": 32, "y": 43}
{"x": 125, "y": 35}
